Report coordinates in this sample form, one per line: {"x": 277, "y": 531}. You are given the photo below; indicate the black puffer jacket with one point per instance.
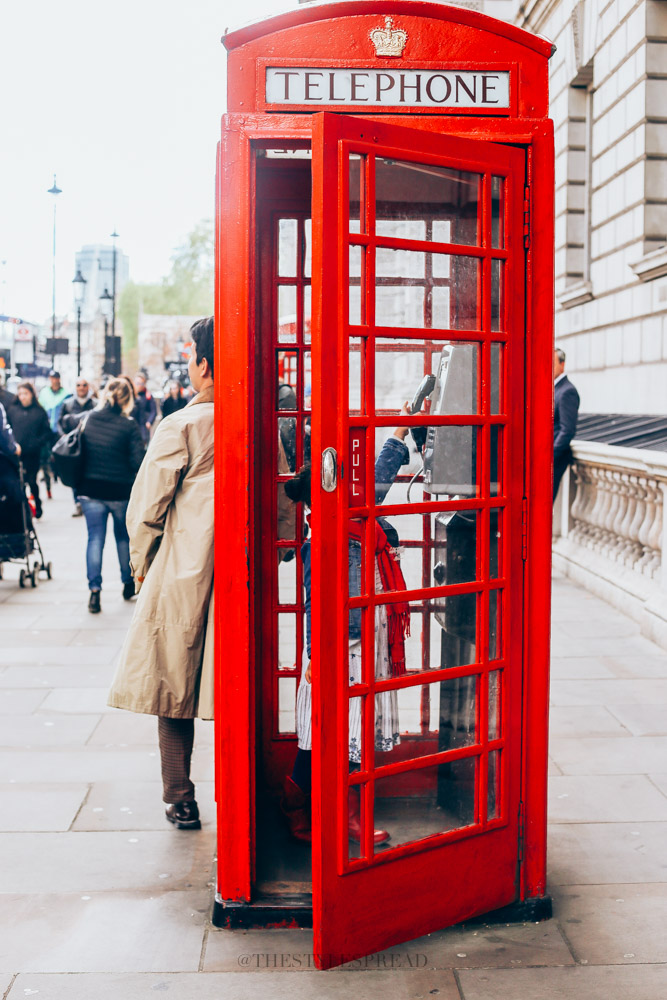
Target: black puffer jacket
{"x": 31, "y": 429}
{"x": 112, "y": 454}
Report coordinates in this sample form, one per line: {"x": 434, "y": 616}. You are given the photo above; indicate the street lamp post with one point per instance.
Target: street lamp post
{"x": 55, "y": 191}
{"x": 79, "y": 283}
{"x": 106, "y": 305}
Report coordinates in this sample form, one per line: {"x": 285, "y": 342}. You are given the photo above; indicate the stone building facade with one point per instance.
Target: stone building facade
{"x": 609, "y": 105}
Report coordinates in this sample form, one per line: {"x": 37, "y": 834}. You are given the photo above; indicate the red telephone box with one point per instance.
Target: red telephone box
{"x": 384, "y": 234}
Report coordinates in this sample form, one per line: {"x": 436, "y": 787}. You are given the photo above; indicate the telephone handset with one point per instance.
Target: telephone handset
{"x": 426, "y": 387}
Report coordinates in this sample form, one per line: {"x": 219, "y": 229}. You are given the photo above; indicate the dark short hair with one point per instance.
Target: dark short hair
{"x": 202, "y": 335}
{"x": 298, "y": 488}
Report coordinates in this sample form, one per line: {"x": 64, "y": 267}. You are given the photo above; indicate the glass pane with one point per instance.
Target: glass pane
{"x": 493, "y": 788}
{"x": 497, "y": 482}
{"x": 495, "y": 637}
{"x": 426, "y": 801}
{"x": 401, "y": 366}
{"x": 494, "y": 704}
{"x": 307, "y": 312}
{"x": 399, "y": 305}
{"x": 414, "y": 289}
{"x": 288, "y": 517}
{"x": 496, "y": 401}
{"x": 357, "y": 819}
{"x": 432, "y": 550}
{"x": 356, "y": 752}
{"x": 287, "y": 704}
{"x": 288, "y": 459}
{"x": 450, "y": 461}
{"x": 357, "y": 215}
{"x": 355, "y": 317}
{"x": 287, "y": 642}
{"x": 497, "y": 212}
{"x": 442, "y": 635}
{"x": 308, "y": 249}
{"x": 287, "y": 575}
{"x": 287, "y": 313}
{"x": 287, "y": 365}
{"x": 497, "y": 295}
{"x": 355, "y": 373}
{"x": 287, "y": 244}
{"x": 424, "y": 719}
{"x": 402, "y": 229}
{"x": 405, "y": 190}
{"x": 495, "y": 544}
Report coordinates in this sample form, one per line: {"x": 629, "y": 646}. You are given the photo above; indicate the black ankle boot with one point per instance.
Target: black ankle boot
{"x": 94, "y": 605}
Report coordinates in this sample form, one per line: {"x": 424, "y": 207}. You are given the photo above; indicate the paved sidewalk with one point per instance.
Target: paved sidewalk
{"x": 100, "y": 898}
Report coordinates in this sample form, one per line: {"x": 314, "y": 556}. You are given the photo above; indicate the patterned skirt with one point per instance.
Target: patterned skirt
{"x": 387, "y": 734}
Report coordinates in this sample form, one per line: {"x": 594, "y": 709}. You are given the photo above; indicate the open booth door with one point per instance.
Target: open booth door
{"x": 418, "y": 269}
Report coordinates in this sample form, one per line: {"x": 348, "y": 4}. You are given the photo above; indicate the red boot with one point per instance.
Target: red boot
{"x": 294, "y": 806}
{"x": 354, "y": 822}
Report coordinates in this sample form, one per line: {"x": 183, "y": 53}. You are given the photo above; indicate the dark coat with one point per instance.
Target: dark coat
{"x": 6, "y": 397}
{"x": 112, "y": 454}
{"x": 566, "y": 412}
{"x": 71, "y": 413}
{"x": 31, "y": 428}
{"x": 170, "y": 405}
{"x": 144, "y": 412}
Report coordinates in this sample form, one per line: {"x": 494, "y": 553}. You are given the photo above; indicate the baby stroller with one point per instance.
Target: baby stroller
{"x": 18, "y": 538}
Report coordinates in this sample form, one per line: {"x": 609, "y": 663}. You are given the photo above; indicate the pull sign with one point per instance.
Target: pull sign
{"x": 329, "y": 468}
{"x": 357, "y": 475}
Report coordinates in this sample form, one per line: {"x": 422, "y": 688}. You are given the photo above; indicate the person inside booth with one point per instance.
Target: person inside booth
{"x": 391, "y": 627}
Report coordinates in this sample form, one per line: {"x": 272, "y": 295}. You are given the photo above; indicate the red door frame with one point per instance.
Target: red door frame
{"x": 235, "y": 549}
{"x": 359, "y": 894}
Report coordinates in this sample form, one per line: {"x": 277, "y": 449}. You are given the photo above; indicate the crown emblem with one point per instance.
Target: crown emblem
{"x": 388, "y": 41}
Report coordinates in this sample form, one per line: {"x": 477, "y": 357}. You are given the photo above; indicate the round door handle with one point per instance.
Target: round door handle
{"x": 329, "y": 470}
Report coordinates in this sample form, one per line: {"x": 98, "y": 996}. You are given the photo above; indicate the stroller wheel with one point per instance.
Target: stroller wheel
{"x": 49, "y": 571}
{"x": 22, "y": 578}
{"x": 34, "y": 578}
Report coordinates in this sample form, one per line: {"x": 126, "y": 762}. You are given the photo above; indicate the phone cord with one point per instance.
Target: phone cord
{"x": 417, "y": 473}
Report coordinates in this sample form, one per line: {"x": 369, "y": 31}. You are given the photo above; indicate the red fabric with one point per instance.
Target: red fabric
{"x": 398, "y": 614}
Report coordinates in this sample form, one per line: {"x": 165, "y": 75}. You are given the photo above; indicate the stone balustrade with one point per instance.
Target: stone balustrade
{"x": 609, "y": 529}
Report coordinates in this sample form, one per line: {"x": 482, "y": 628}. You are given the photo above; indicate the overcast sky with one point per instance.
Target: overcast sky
{"x": 122, "y": 101}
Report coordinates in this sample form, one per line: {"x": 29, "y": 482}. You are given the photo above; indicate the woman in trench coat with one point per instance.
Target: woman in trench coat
{"x": 166, "y": 665}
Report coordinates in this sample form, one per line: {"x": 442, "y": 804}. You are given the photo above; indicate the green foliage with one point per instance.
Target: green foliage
{"x": 186, "y": 291}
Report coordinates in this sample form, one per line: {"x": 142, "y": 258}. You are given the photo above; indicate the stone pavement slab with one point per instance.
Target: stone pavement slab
{"x": 607, "y": 853}
{"x": 46, "y": 730}
{"x": 58, "y": 656}
{"x": 584, "y": 721}
{"x": 40, "y": 807}
{"x": 610, "y": 756}
{"x": 580, "y": 668}
{"x": 609, "y": 692}
{"x": 481, "y": 946}
{"x": 103, "y": 931}
{"x": 615, "y": 924}
{"x": 127, "y": 860}
{"x": 83, "y": 764}
{"x": 136, "y": 805}
{"x": 614, "y": 798}
{"x": 641, "y": 720}
{"x": 638, "y": 982}
{"x": 19, "y": 701}
{"x": 47, "y": 676}
{"x": 82, "y": 699}
{"x": 365, "y": 985}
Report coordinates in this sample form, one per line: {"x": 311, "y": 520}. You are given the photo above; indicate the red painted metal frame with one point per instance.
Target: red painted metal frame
{"x": 299, "y": 35}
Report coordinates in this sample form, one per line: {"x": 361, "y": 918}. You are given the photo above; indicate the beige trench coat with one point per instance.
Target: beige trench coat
{"x": 166, "y": 664}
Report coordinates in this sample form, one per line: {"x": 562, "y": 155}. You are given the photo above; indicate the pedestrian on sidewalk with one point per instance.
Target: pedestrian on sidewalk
{"x": 174, "y": 400}
{"x": 145, "y": 411}
{"x": 30, "y": 425}
{"x": 72, "y": 410}
{"x": 112, "y": 453}
{"x": 566, "y": 414}
{"x": 166, "y": 665}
